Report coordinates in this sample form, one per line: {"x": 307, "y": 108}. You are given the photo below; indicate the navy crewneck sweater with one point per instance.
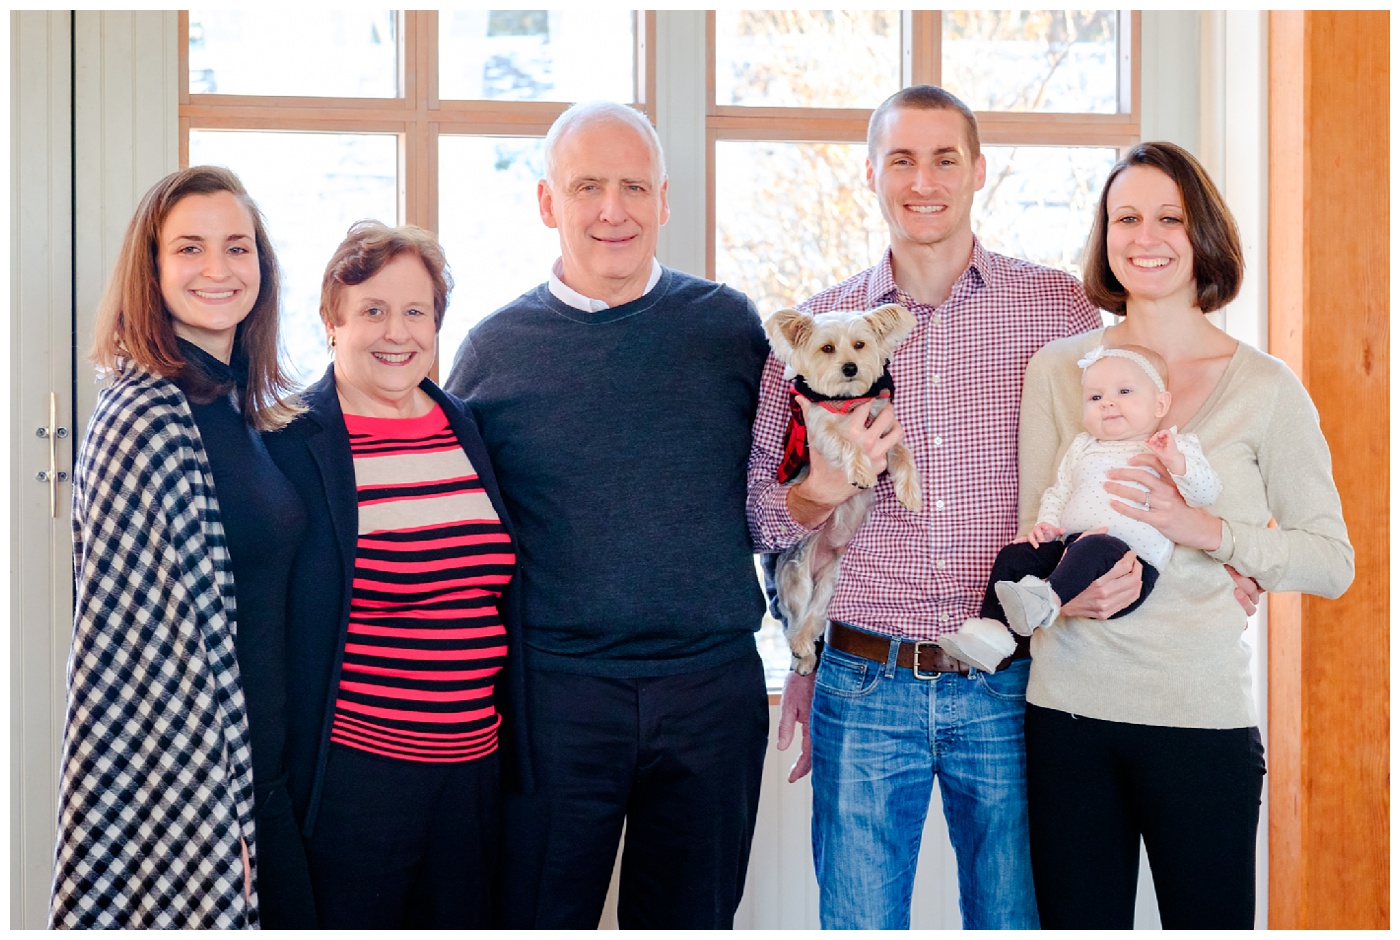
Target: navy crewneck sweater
{"x": 621, "y": 442}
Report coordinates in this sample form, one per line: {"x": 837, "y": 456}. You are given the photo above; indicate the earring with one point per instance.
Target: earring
{"x": 332, "y": 341}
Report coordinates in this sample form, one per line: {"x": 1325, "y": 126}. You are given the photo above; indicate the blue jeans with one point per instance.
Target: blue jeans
{"x": 879, "y": 737}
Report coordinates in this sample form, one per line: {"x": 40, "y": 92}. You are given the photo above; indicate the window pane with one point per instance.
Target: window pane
{"x": 318, "y": 53}
{"x": 1039, "y": 202}
{"x": 310, "y": 188}
{"x": 806, "y": 58}
{"x": 773, "y": 647}
{"x": 536, "y": 55}
{"x": 792, "y": 218}
{"x": 1032, "y": 60}
{"x": 490, "y": 226}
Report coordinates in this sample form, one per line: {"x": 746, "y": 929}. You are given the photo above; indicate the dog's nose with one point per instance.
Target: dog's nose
{"x": 849, "y": 370}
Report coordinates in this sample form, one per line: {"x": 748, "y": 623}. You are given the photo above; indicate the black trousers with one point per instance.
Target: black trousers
{"x": 1191, "y": 795}
{"x": 285, "y": 900}
{"x": 678, "y": 758}
{"x": 1070, "y": 567}
{"x": 404, "y": 844}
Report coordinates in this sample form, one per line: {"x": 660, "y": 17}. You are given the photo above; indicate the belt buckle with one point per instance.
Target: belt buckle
{"x": 919, "y": 648}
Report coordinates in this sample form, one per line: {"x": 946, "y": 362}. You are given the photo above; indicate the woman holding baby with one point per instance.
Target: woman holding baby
{"x": 1143, "y": 726}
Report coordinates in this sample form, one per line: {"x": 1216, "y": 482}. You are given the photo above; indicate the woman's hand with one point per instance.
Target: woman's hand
{"x": 247, "y": 871}
{"x": 1110, "y": 593}
{"x": 1162, "y": 506}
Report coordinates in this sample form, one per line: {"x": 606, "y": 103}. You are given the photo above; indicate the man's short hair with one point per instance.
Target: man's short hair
{"x": 1218, "y": 261}
{"x": 923, "y": 98}
{"x": 595, "y": 112}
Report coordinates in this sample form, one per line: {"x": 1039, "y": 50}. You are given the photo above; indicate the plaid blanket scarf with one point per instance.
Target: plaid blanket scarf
{"x": 156, "y": 784}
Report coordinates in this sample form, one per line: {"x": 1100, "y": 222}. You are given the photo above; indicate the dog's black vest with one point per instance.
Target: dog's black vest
{"x": 795, "y": 444}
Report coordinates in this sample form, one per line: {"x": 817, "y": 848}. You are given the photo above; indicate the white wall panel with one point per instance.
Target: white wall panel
{"x": 101, "y": 86}
{"x": 680, "y": 122}
{"x": 40, "y": 315}
{"x": 126, "y": 136}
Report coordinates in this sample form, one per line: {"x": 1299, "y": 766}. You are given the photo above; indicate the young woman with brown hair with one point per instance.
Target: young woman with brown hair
{"x": 184, "y": 533}
{"x": 1141, "y": 730}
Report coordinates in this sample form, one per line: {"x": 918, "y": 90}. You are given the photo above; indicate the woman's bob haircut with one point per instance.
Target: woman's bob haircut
{"x": 368, "y": 247}
{"x": 134, "y": 327}
{"x": 1215, "y": 239}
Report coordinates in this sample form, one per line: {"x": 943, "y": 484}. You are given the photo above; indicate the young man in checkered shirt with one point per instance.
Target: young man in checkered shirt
{"x": 889, "y": 711}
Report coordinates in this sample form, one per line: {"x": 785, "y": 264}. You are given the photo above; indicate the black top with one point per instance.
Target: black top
{"x": 264, "y": 521}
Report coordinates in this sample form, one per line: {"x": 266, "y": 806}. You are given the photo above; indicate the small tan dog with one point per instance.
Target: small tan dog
{"x": 837, "y": 361}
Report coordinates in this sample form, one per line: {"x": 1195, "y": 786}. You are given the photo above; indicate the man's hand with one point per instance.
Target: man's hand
{"x": 1110, "y": 593}
{"x": 812, "y": 501}
{"x": 1247, "y": 591}
{"x": 795, "y": 709}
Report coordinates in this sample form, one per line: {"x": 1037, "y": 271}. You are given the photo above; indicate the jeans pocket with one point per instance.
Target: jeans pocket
{"x": 1009, "y": 684}
{"x": 845, "y": 675}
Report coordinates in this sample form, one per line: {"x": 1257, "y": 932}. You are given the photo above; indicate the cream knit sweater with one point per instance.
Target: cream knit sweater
{"x": 1178, "y": 660}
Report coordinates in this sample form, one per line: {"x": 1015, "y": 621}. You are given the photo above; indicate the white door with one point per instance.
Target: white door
{"x": 41, "y": 380}
{"x": 93, "y": 122}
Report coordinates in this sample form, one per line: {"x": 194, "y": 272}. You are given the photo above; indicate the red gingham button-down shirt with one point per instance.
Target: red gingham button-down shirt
{"x": 957, "y": 380}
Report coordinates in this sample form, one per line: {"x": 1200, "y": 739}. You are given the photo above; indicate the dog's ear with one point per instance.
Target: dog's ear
{"x": 787, "y": 329}
{"x": 891, "y": 323}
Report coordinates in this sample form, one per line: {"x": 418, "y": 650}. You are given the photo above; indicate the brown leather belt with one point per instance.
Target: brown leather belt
{"x": 926, "y": 658}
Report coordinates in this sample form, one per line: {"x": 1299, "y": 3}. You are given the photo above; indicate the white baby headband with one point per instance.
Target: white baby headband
{"x": 1100, "y": 352}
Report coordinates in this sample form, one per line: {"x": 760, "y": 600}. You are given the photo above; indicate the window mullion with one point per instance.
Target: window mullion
{"x": 644, "y": 77}
{"x": 922, "y": 37}
{"x": 418, "y": 143}
{"x": 1130, "y": 52}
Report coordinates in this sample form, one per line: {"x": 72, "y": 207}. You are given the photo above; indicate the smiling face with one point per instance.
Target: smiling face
{"x": 385, "y": 339}
{"x": 1120, "y": 402}
{"x": 608, "y": 200}
{"x": 922, "y": 169}
{"x": 1147, "y": 245}
{"x": 208, "y": 263}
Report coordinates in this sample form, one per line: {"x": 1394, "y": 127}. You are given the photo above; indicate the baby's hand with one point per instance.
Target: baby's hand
{"x": 1163, "y": 444}
{"x": 1044, "y": 532}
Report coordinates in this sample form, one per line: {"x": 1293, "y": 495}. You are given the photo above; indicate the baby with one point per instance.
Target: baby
{"x": 1125, "y": 397}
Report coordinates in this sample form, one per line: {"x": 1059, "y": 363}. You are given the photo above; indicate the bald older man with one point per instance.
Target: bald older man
{"x": 616, "y": 400}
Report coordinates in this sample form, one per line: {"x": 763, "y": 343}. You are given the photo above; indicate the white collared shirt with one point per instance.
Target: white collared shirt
{"x": 574, "y": 299}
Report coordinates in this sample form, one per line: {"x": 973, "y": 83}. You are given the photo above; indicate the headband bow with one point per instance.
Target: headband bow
{"x": 1101, "y": 352}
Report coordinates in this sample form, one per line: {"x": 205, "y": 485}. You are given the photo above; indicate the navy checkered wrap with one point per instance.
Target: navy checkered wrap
{"x": 156, "y": 784}
{"x": 959, "y": 376}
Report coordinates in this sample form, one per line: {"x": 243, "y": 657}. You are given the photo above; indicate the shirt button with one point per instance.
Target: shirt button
{"x": 938, "y": 504}
{"x": 944, "y": 618}
{"x": 942, "y": 563}
{"x": 936, "y": 380}
{"x": 937, "y": 319}
{"x": 937, "y": 441}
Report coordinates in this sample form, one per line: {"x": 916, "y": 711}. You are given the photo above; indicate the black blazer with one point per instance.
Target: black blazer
{"x": 314, "y": 453}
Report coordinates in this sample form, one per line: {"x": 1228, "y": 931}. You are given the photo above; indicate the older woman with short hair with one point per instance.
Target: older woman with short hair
{"x": 400, "y": 613}
{"x": 1142, "y": 728}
